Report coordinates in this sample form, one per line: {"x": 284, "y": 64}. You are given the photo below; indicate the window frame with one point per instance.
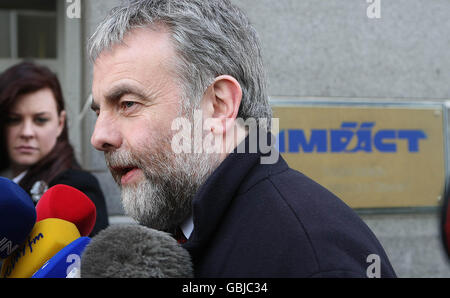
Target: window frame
{"x": 13, "y": 31}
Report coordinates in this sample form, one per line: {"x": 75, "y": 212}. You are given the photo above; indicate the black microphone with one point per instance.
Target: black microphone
{"x": 445, "y": 220}
{"x": 134, "y": 251}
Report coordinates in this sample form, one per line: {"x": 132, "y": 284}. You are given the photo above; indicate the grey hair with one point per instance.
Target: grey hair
{"x": 211, "y": 38}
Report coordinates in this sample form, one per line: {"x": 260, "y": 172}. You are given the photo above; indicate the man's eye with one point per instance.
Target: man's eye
{"x": 126, "y": 105}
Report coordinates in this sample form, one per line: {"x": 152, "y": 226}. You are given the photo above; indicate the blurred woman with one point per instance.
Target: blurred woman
{"x": 35, "y": 151}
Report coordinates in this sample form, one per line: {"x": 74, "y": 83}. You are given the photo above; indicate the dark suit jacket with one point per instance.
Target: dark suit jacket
{"x": 254, "y": 220}
{"x": 88, "y": 184}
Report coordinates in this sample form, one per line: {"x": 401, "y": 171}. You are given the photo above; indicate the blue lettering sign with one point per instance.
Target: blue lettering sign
{"x": 297, "y": 140}
{"x": 380, "y": 141}
{"x": 367, "y": 139}
{"x": 413, "y": 137}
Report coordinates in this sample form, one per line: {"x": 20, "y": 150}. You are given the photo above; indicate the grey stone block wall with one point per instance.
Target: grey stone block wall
{"x": 331, "y": 49}
{"x": 412, "y": 243}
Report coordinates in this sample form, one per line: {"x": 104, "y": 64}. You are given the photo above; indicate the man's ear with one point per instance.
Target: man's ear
{"x": 221, "y": 102}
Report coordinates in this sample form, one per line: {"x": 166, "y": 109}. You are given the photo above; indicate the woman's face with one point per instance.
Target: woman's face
{"x": 33, "y": 126}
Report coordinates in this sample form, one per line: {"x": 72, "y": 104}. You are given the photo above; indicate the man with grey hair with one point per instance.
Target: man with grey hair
{"x": 156, "y": 61}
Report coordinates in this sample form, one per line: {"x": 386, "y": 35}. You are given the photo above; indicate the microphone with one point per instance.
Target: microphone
{"x": 64, "y": 261}
{"x": 47, "y": 238}
{"x": 134, "y": 251}
{"x": 445, "y": 220}
{"x": 17, "y": 216}
{"x": 70, "y": 204}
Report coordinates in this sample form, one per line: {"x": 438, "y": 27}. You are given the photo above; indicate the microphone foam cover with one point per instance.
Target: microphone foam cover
{"x": 70, "y": 204}
{"x": 17, "y": 216}
{"x": 134, "y": 251}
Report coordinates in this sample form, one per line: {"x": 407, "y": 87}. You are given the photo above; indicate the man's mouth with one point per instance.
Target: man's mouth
{"x": 123, "y": 170}
{"x": 126, "y": 174}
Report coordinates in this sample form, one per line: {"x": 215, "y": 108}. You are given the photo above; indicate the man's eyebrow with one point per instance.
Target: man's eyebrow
{"x": 116, "y": 93}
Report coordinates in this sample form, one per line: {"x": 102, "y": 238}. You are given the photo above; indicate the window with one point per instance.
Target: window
{"x": 5, "y": 49}
{"x": 28, "y": 29}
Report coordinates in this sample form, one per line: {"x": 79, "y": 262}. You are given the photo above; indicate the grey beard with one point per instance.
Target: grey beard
{"x": 163, "y": 200}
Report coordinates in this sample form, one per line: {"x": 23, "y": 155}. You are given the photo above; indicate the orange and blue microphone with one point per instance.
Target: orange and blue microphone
{"x": 47, "y": 238}
{"x": 17, "y": 216}
{"x": 64, "y": 214}
{"x": 65, "y": 261}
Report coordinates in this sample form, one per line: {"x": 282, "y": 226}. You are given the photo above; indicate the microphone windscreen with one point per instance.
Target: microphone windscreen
{"x": 17, "y": 216}
{"x": 70, "y": 204}
{"x": 47, "y": 238}
{"x": 134, "y": 251}
{"x": 68, "y": 258}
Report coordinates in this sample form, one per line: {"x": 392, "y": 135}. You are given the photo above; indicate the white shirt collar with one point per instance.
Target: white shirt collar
{"x": 187, "y": 227}
{"x": 18, "y": 178}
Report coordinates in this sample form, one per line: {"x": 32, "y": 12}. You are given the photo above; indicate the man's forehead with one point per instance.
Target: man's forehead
{"x": 145, "y": 54}
{"x": 142, "y": 41}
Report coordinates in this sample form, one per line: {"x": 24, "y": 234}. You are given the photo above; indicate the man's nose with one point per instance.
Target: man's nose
{"x": 106, "y": 135}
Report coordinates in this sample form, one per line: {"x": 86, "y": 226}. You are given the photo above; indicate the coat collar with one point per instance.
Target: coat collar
{"x": 215, "y": 196}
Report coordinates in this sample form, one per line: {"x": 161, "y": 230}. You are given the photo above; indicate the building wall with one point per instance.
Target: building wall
{"x": 331, "y": 49}
{"x": 94, "y": 11}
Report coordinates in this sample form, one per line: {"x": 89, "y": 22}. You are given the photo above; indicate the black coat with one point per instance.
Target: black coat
{"x": 88, "y": 184}
{"x": 255, "y": 220}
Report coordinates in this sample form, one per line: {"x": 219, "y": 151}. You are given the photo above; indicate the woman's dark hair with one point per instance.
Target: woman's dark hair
{"x": 25, "y": 78}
